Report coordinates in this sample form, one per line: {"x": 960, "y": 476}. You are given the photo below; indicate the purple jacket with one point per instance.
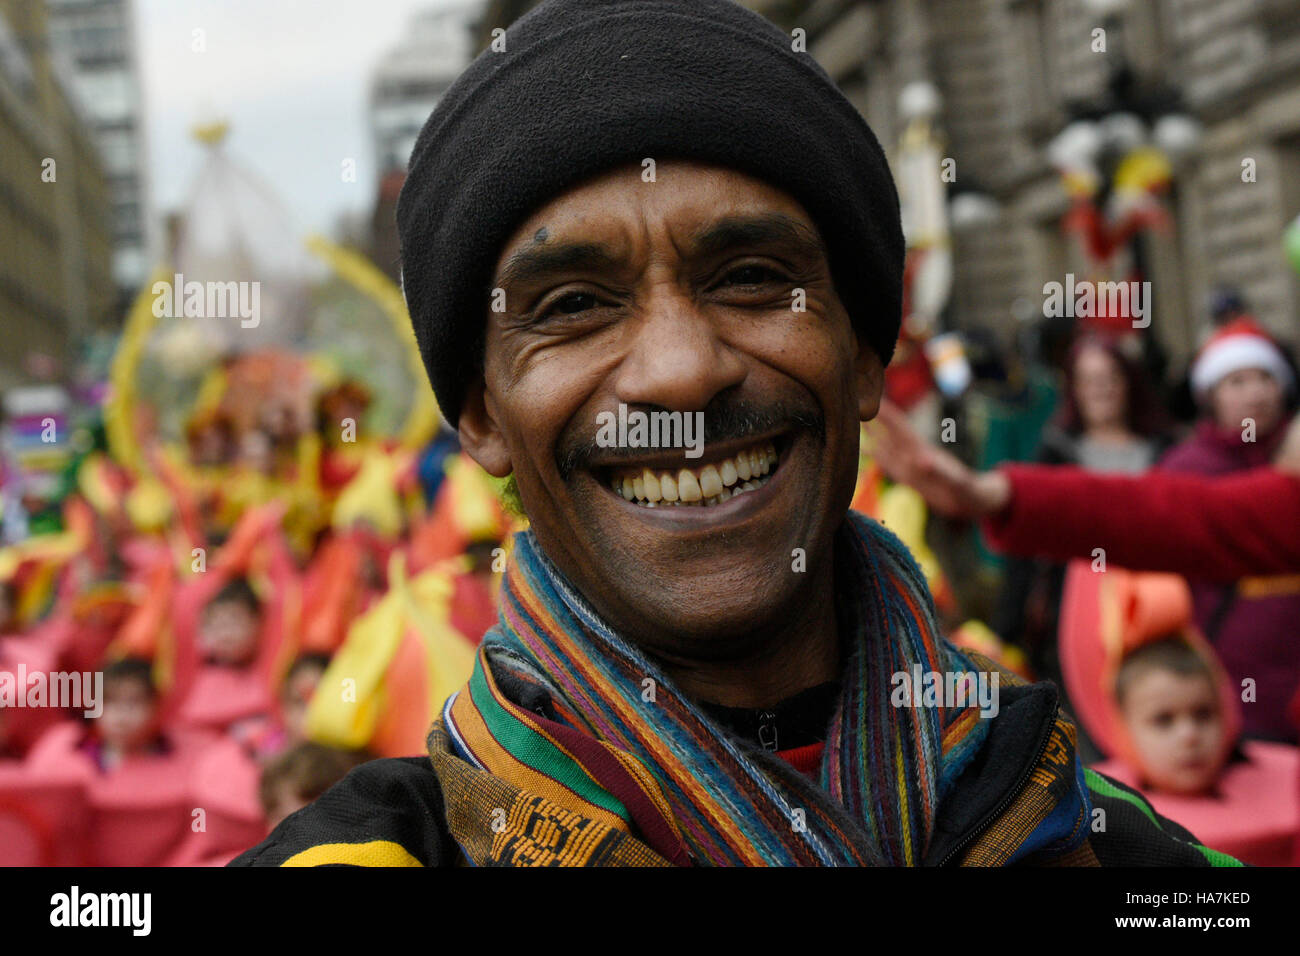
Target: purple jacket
{"x": 1257, "y": 637}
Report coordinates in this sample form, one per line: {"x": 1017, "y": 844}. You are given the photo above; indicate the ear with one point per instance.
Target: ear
{"x": 868, "y": 380}
{"x": 480, "y": 435}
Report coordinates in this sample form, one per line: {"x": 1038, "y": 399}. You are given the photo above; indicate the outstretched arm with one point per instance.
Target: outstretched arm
{"x": 1210, "y": 528}
{"x": 1216, "y": 528}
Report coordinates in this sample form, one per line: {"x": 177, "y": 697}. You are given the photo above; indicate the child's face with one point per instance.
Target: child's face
{"x": 127, "y": 721}
{"x": 1175, "y": 724}
{"x": 1249, "y": 393}
{"x": 229, "y": 633}
{"x": 298, "y": 690}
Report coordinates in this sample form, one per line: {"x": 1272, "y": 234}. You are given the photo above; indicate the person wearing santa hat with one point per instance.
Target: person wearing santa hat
{"x": 1245, "y": 385}
{"x": 1242, "y": 375}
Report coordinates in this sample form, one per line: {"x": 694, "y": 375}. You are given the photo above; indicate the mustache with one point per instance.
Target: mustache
{"x": 725, "y": 419}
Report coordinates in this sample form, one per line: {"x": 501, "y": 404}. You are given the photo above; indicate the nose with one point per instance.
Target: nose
{"x": 1188, "y": 731}
{"x": 678, "y": 360}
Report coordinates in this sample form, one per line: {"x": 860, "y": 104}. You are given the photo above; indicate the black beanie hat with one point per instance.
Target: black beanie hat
{"x": 583, "y": 86}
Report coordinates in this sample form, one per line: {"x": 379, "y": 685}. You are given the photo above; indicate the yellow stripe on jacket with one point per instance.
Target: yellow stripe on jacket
{"x": 373, "y": 853}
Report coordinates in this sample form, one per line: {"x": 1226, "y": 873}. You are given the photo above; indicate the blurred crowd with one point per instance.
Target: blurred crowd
{"x": 271, "y": 601}
{"x": 283, "y": 594}
{"x": 1184, "y": 686}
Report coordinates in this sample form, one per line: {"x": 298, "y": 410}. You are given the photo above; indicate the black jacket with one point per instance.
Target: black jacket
{"x": 396, "y": 804}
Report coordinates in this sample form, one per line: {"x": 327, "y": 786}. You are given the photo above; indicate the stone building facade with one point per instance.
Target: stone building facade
{"x": 56, "y": 282}
{"x": 96, "y": 50}
{"x": 1009, "y": 72}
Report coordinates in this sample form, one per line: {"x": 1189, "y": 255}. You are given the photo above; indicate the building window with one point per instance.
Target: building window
{"x": 1033, "y": 36}
{"x": 108, "y": 94}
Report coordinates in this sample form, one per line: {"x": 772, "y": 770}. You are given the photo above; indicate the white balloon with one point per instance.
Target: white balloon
{"x": 1075, "y": 146}
{"x": 1177, "y": 135}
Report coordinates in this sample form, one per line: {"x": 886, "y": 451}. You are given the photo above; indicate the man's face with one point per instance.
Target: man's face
{"x": 676, "y": 296}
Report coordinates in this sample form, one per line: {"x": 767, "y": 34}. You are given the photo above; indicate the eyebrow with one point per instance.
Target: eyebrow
{"x": 757, "y": 230}
{"x": 763, "y": 229}
{"x": 541, "y": 260}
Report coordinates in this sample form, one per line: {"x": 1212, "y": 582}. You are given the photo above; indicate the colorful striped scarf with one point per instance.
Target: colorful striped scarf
{"x": 629, "y": 764}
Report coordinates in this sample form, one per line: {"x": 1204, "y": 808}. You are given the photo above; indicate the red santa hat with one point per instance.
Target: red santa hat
{"x": 1239, "y": 344}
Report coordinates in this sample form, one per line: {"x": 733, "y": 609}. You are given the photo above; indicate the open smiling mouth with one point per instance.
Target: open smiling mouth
{"x": 700, "y": 486}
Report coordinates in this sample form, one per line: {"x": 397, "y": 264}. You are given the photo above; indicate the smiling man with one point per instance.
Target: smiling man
{"x": 703, "y": 657}
{"x": 676, "y": 295}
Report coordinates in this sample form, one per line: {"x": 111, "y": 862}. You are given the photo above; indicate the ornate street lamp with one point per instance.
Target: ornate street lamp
{"x": 1117, "y": 159}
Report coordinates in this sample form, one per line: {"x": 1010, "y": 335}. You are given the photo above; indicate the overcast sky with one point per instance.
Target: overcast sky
{"x": 290, "y": 75}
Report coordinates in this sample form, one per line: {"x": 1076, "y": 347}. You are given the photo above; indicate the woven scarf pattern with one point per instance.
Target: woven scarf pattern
{"x": 884, "y": 768}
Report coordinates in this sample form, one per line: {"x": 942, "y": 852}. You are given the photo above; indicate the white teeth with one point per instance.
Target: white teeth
{"x": 651, "y": 485}
{"x": 726, "y": 494}
{"x": 688, "y": 486}
{"x": 713, "y": 484}
{"x": 710, "y": 482}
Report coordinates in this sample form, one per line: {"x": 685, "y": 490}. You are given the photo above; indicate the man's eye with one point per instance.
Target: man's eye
{"x": 751, "y": 275}
{"x": 571, "y": 304}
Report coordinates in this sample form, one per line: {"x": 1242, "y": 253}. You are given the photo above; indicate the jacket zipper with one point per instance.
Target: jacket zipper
{"x": 992, "y": 815}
